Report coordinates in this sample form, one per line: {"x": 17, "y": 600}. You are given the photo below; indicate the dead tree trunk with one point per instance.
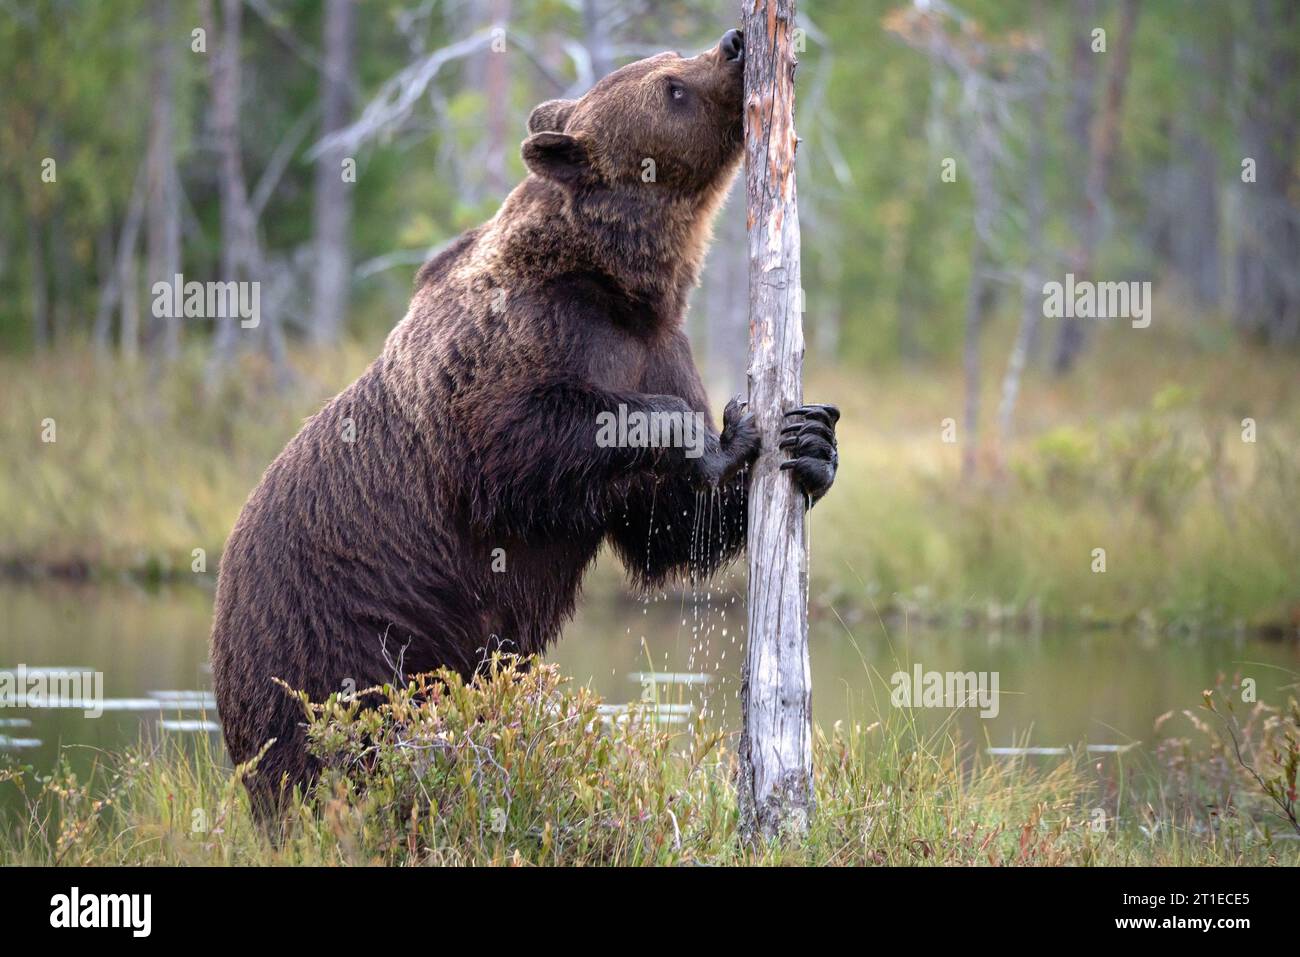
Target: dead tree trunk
{"x": 224, "y": 66}
{"x": 241, "y": 250}
{"x": 163, "y": 230}
{"x": 776, "y": 792}
{"x": 1266, "y": 283}
{"x": 497, "y": 87}
{"x": 110, "y": 294}
{"x": 978, "y": 298}
{"x": 128, "y": 275}
{"x": 1101, "y": 160}
{"x": 1031, "y": 280}
{"x": 333, "y": 210}
{"x": 596, "y": 38}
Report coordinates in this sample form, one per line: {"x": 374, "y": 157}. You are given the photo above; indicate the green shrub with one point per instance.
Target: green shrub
{"x": 512, "y": 766}
{"x": 1064, "y": 465}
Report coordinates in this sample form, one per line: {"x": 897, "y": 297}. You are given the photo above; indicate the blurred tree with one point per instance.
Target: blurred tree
{"x": 1031, "y": 286}
{"x": 991, "y": 76}
{"x": 1103, "y": 141}
{"x": 163, "y": 222}
{"x": 241, "y": 251}
{"x": 888, "y": 248}
{"x": 332, "y": 265}
{"x": 1267, "y": 280}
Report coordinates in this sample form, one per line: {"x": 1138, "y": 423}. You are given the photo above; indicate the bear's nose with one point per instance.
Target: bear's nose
{"x": 732, "y": 45}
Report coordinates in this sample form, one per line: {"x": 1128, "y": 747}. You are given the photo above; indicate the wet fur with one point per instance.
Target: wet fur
{"x": 475, "y": 430}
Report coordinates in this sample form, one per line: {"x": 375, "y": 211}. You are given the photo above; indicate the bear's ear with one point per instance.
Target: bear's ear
{"x": 550, "y": 117}
{"x": 556, "y": 156}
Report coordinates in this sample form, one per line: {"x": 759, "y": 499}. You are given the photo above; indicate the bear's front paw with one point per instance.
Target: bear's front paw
{"x": 740, "y": 438}
{"x": 737, "y": 447}
{"x": 810, "y": 440}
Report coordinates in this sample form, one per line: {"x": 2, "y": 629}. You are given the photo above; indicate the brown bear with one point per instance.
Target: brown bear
{"x": 450, "y": 500}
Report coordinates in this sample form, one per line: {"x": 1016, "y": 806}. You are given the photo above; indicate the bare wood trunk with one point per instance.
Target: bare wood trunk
{"x": 980, "y": 293}
{"x": 1102, "y": 149}
{"x": 242, "y": 259}
{"x": 333, "y": 208}
{"x": 595, "y": 38}
{"x": 128, "y": 277}
{"x": 775, "y": 784}
{"x": 163, "y": 230}
{"x": 110, "y": 294}
{"x": 224, "y": 68}
{"x": 1191, "y": 207}
{"x": 1078, "y": 126}
{"x": 128, "y": 281}
{"x": 977, "y": 298}
{"x": 1266, "y": 284}
{"x": 1031, "y": 292}
{"x": 107, "y": 300}
{"x": 497, "y": 87}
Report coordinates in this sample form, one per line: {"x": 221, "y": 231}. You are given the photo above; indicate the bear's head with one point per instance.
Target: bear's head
{"x": 664, "y": 122}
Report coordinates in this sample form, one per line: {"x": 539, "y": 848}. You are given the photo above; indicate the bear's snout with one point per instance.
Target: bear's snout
{"x": 732, "y": 45}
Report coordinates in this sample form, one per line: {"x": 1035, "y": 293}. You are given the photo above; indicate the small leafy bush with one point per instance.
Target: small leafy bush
{"x": 514, "y": 766}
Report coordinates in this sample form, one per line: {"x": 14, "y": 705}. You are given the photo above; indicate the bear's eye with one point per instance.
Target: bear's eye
{"x": 676, "y": 92}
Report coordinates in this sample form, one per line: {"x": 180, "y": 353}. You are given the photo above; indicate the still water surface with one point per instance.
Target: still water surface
{"x": 1057, "y": 689}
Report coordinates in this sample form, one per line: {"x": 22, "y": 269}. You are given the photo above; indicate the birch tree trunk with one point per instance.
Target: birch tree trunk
{"x": 333, "y": 205}
{"x": 1103, "y": 144}
{"x": 224, "y": 68}
{"x": 776, "y": 745}
{"x": 497, "y": 87}
{"x": 163, "y": 226}
{"x": 1031, "y": 282}
{"x": 595, "y": 38}
{"x": 242, "y": 257}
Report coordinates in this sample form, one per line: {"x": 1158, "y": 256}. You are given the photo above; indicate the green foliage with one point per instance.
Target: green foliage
{"x": 1064, "y": 464}
{"x": 886, "y": 244}
{"x": 1160, "y": 477}
{"x": 1152, "y": 459}
{"x": 1154, "y": 464}
{"x": 1188, "y": 512}
{"x": 512, "y": 767}
{"x": 143, "y": 469}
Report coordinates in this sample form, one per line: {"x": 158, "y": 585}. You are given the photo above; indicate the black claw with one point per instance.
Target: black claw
{"x": 810, "y": 442}
{"x": 820, "y": 412}
{"x": 808, "y": 448}
{"x": 810, "y": 428}
{"x": 734, "y": 413}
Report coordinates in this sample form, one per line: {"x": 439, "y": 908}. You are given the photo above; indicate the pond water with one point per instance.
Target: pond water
{"x": 1056, "y": 689}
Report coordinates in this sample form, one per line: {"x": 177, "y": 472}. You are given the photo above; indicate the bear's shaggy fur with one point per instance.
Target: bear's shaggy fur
{"x": 452, "y": 498}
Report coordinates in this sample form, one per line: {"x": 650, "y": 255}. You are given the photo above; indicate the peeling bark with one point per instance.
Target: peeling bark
{"x": 776, "y": 792}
